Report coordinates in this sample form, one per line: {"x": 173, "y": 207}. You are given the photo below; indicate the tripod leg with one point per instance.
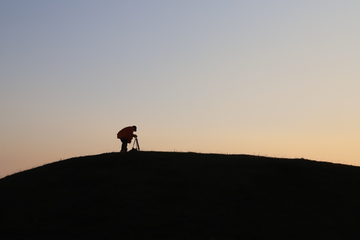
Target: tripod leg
{"x": 137, "y": 143}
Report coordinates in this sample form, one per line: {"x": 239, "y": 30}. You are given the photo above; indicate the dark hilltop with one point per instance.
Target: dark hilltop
{"x": 169, "y": 195}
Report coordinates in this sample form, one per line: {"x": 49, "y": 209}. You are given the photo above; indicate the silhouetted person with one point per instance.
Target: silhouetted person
{"x": 126, "y": 135}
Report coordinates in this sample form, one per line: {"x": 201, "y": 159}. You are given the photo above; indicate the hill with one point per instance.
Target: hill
{"x": 162, "y": 195}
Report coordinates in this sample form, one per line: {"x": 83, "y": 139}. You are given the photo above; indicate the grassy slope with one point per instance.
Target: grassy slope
{"x": 155, "y": 195}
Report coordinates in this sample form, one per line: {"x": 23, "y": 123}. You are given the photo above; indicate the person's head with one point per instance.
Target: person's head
{"x": 134, "y": 127}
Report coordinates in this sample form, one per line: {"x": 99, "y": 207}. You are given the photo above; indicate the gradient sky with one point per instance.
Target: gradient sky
{"x": 274, "y": 78}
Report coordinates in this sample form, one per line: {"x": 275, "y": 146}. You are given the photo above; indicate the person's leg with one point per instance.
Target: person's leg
{"x": 124, "y": 145}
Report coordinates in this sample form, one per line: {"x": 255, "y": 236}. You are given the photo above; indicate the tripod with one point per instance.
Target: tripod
{"x": 136, "y": 146}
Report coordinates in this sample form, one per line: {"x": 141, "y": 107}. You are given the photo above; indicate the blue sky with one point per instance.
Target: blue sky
{"x": 275, "y": 78}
